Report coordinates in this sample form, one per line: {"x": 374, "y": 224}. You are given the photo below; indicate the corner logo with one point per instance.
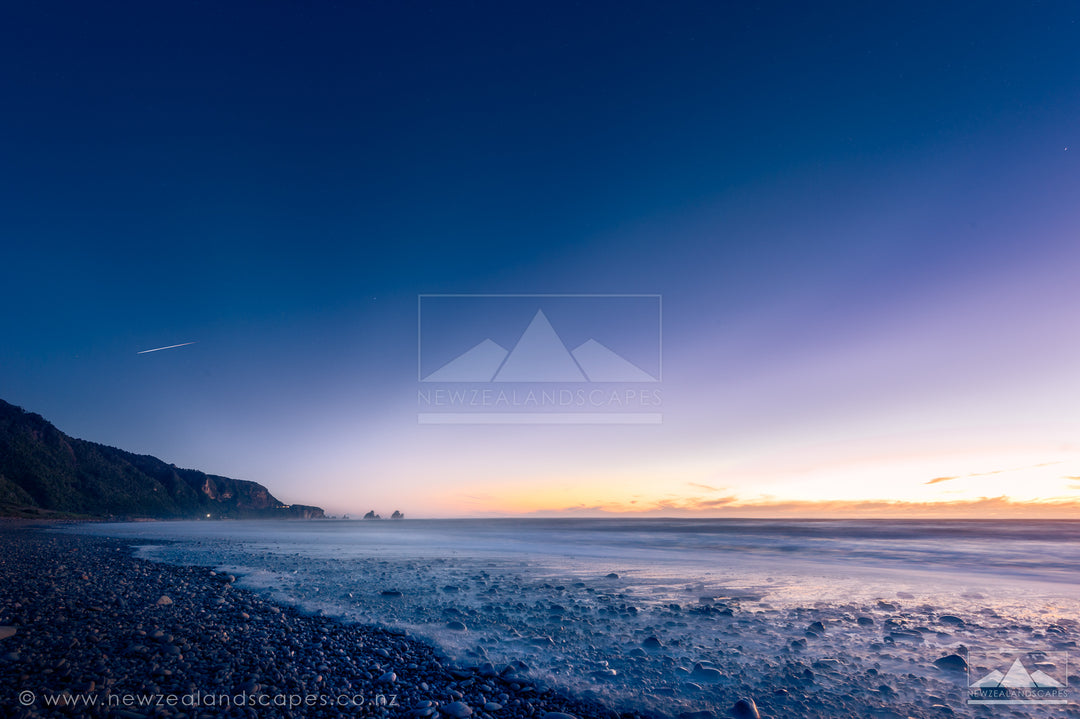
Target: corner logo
{"x": 1028, "y": 678}
{"x": 500, "y": 359}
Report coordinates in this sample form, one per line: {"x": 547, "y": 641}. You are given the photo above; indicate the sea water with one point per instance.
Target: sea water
{"x": 631, "y": 610}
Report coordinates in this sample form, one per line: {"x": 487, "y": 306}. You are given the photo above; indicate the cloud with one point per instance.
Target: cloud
{"x": 935, "y": 480}
{"x": 984, "y": 508}
{"x": 706, "y": 487}
{"x": 717, "y": 502}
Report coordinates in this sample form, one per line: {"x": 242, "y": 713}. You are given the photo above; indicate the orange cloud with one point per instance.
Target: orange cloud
{"x": 706, "y": 487}
{"x": 984, "y": 508}
{"x": 935, "y": 480}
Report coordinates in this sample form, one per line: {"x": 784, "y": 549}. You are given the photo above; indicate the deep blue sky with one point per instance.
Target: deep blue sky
{"x": 849, "y": 208}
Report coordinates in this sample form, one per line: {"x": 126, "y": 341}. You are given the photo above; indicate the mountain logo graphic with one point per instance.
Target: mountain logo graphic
{"x": 540, "y": 355}
{"x": 1017, "y": 677}
{"x": 1027, "y": 680}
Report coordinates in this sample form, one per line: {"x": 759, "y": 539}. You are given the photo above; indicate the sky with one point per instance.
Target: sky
{"x": 842, "y": 239}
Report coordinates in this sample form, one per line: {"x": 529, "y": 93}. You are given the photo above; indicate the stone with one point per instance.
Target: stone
{"x": 457, "y": 710}
{"x": 164, "y": 601}
{"x": 706, "y": 674}
{"x": 652, "y": 644}
{"x": 745, "y": 709}
{"x": 951, "y": 663}
{"x": 6, "y": 632}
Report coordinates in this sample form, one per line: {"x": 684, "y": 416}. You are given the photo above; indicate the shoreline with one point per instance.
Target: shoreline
{"x": 314, "y": 619}
{"x": 99, "y": 632}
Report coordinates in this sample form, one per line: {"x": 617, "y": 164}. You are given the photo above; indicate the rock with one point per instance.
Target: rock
{"x": 745, "y": 709}
{"x": 827, "y": 664}
{"x": 951, "y": 663}
{"x": 951, "y": 620}
{"x": 816, "y": 628}
{"x": 865, "y": 622}
{"x": 705, "y": 674}
{"x": 456, "y": 626}
{"x": 6, "y": 632}
{"x": 558, "y": 715}
{"x": 457, "y": 710}
{"x": 391, "y": 593}
{"x": 164, "y": 601}
{"x": 492, "y": 706}
{"x": 701, "y": 714}
{"x": 387, "y": 678}
{"x": 652, "y": 644}
{"x": 613, "y": 575}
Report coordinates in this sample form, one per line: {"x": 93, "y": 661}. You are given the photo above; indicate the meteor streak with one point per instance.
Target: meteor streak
{"x": 158, "y": 349}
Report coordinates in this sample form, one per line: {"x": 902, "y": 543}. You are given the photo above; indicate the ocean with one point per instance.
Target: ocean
{"x": 680, "y": 615}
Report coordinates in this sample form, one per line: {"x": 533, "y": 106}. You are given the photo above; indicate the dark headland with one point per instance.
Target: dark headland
{"x": 46, "y": 473}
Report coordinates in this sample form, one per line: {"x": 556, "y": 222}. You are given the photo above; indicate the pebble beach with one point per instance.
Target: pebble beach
{"x": 264, "y": 619}
{"x": 93, "y": 631}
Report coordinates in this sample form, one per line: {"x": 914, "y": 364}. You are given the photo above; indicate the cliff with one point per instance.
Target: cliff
{"x": 43, "y": 469}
